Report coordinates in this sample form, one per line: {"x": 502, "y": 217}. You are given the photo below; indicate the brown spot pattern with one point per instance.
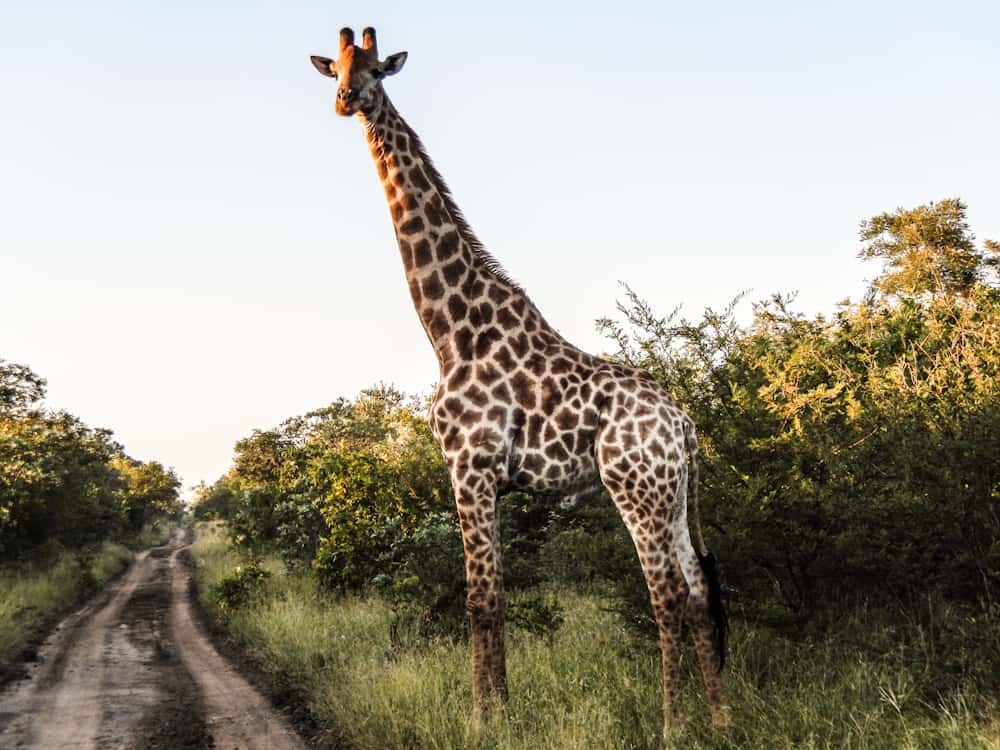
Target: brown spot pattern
{"x": 518, "y": 407}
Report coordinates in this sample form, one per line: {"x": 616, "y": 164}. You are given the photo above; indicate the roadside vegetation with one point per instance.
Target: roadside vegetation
{"x": 376, "y": 683}
{"x": 850, "y": 489}
{"x": 30, "y": 594}
{"x": 73, "y": 506}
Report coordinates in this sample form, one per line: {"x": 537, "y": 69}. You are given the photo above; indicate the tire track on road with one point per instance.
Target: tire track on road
{"x": 237, "y": 715}
{"x": 60, "y": 704}
{"x": 132, "y": 670}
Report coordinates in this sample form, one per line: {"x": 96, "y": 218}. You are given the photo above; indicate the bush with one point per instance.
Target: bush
{"x": 239, "y": 588}
{"x": 536, "y": 613}
{"x": 424, "y": 582}
{"x": 587, "y": 546}
{"x": 961, "y": 648}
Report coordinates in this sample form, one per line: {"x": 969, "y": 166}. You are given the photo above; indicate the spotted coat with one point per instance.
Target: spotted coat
{"x": 518, "y": 407}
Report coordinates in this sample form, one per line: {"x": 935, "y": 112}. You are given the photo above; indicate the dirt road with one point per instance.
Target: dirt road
{"x": 132, "y": 669}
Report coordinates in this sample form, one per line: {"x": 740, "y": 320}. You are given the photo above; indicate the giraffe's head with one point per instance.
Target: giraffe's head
{"x": 358, "y": 72}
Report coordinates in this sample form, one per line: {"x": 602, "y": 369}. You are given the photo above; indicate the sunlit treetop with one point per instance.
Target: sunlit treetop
{"x": 928, "y": 251}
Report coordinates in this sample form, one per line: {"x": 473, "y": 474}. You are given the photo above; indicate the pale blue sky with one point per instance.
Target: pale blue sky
{"x": 192, "y": 244}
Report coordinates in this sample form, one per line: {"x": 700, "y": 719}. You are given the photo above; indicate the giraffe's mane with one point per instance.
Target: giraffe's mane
{"x": 464, "y": 230}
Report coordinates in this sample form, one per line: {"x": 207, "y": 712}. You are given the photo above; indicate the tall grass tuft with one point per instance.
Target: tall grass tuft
{"x": 590, "y": 684}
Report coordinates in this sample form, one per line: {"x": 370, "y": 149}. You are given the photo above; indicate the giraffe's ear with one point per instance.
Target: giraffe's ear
{"x": 324, "y": 65}
{"x": 392, "y": 64}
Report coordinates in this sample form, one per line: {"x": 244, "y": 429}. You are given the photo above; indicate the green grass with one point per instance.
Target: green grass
{"x": 590, "y": 686}
{"x": 30, "y": 595}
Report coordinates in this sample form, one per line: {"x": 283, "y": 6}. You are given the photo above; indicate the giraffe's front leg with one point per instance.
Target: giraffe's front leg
{"x": 485, "y": 600}
{"x": 498, "y": 669}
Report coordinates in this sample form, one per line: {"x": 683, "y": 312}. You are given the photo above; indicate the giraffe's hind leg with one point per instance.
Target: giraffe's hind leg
{"x": 703, "y": 625}
{"x": 647, "y": 517}
{"x": 645, "y": 470}
{"x": 702, "y": 629}
{"x": 668, "y": 595}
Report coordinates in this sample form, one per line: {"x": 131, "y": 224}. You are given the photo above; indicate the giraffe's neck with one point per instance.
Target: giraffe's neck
{"x": 457, "y": 287}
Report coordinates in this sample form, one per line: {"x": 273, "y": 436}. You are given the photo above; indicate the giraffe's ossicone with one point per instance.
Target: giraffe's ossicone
{"x": 518, "y": 407}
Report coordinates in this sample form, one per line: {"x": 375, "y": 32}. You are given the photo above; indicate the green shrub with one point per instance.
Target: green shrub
{"x": 239, "y": 588}
{"x": 537, "y": 613}
{"x": 424, "y": 578}
{"x": 583, "y": 555}
{"x": 958, "y": 647}
{"x": 154, "y": 534}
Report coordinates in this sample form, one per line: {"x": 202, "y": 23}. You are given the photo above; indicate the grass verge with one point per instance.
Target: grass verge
{"x": 32, "y": 595}
{"x": 590, "y": 685}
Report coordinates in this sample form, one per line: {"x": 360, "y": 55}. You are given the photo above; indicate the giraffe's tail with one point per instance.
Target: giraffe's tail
{"x": 716, "y": 605}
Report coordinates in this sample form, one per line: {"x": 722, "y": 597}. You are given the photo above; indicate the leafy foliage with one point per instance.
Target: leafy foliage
{"x": 928, "y": 251}
{"x": 853, "y": 455}
{"x": 423, "y": 577}
{"x": 238, "y": 589}
{"x": 536, "y": 613}
{"x": 20, "y": 390}
{"x": 150, "y": 491}
{"x": 62, "y": 481}
{"x": 336, "y": 488}
{"x": 847, "y": 458}
{"x": 214, "y": 501}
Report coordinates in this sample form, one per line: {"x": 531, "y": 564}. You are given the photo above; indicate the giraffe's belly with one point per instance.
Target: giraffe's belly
{"x": 555, "y": 473}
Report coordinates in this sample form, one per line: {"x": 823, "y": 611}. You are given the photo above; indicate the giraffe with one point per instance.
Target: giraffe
{"x": 517, "y": 407}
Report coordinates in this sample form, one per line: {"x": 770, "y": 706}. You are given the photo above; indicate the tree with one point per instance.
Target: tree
{"x": 855, "y": 454}
{"x": 325, "y": 488}
{"x": 216, "y": 500}
{"x": 20, "y": 389}
{"x": 56, "y": 482}
{"x": 927, "y": 250}
{"x": 149, "y": 491}
{"x": 64, "y": 482}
